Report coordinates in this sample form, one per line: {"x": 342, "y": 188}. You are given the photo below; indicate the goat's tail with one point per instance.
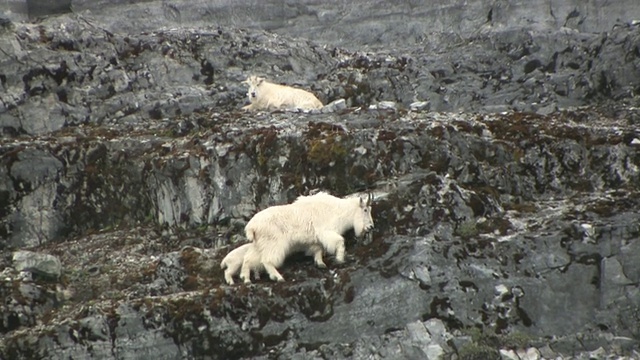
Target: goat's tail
{"x": 250, "y": 233}
{"x": 223, "y": 264}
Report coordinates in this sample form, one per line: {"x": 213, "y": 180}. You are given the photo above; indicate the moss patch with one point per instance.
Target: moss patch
{"x": 467, "y": 229}
{"x": 514, "y": 340}
{"x": 477, "y": 352}
{"x": 326, "y": 152}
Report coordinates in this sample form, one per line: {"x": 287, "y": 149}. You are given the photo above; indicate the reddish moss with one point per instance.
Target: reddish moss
{"x": 524, "y": 207}
{"x": 465, "y": 126}
{"x": 501, "y": 225}
{"x": 190, "y": 283}
{"x": 189, "y": 258}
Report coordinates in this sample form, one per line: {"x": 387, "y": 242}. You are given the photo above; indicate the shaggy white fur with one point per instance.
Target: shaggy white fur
{"x": 314, "y": 222}
{"x": 232, "y": 263}
{"x": 264, "y": 95}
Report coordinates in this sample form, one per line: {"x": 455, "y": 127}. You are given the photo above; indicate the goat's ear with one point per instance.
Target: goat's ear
{"x": 362, "y": 203}
{"x": 259, "y": 80}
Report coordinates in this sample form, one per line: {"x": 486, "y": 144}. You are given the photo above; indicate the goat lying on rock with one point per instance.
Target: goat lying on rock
{"x": 314, "y": 223}
{"x": 264, "y": 95}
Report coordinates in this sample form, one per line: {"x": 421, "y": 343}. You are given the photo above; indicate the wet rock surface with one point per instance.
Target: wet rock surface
{"x": 505, "y": 164}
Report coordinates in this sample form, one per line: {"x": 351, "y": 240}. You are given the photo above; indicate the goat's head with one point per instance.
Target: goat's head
{"x": 363, "y": 222}
{"x": 253, "y": 82}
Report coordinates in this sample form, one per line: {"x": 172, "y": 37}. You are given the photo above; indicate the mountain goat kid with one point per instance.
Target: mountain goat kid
{"x": 232, "y": 263}
{"x": 314, "y": 223}
{"x": 264, "y": 95}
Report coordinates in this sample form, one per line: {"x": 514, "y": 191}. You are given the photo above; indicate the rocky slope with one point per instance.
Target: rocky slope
{"x": 505, "y": 161}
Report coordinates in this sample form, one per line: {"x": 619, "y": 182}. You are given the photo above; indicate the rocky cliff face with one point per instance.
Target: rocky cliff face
{"x": 365, "y": 22}
{"x": 503, "y": 151}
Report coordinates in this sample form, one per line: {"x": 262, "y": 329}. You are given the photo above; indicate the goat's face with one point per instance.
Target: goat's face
{"x": 363, "y": 221}
{"x": 253, "y": 82}
{"x": 252, "y": 94}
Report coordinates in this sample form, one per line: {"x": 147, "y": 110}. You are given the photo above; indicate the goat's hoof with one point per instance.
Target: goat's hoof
{"x": 321, "y": 266}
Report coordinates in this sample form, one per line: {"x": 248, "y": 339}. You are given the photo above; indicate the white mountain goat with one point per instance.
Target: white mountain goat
{"x": 264, "y": 95}
{"x": 232, "y": 263}
{"x": 314, "y": 222}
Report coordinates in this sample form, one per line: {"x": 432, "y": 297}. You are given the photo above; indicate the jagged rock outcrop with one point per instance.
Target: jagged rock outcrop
{"x": 362, "y": 22}
{"x": 508, "y": 228}
{"x": 512, "y": 223}
{"x": 55, "y": 76}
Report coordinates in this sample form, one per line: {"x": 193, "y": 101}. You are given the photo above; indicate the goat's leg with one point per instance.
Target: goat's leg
{"x": 245, "y": 273}
{"x": 232, "y": 270}
{"x": 273, "y": 272}
{"x": 228, "y": 276}
{"x": 252, "y": 262}
{"x": 317, "y": 252}
{"x": 333, "y": 241}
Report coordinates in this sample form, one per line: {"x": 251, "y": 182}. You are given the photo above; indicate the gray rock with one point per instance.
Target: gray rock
{"x": 547, "y": 109}
{"x": 334, "y": 106}
{"x": 364, "y": 21}
{"x": 41, "y": 264}
{"x": 38, "y": 8}
{"x": 420, "y": 106}
{"x": 438, "y": 331}
{"x": 546, "y": 352}
{"x": 530, "y": 353}
{"x": 435, "y": 352}
{"x": 508, "y": 354}
{"x": 125, "y": 154}
{"x": 5, "y": 22}
{"x": 418, "y": 332}
{"x": 383, "y": 105}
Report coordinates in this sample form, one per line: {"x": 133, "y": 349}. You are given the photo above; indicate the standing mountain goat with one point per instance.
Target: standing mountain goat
{"x": 264, "y": 95}
{"x": 315, "y": 223}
